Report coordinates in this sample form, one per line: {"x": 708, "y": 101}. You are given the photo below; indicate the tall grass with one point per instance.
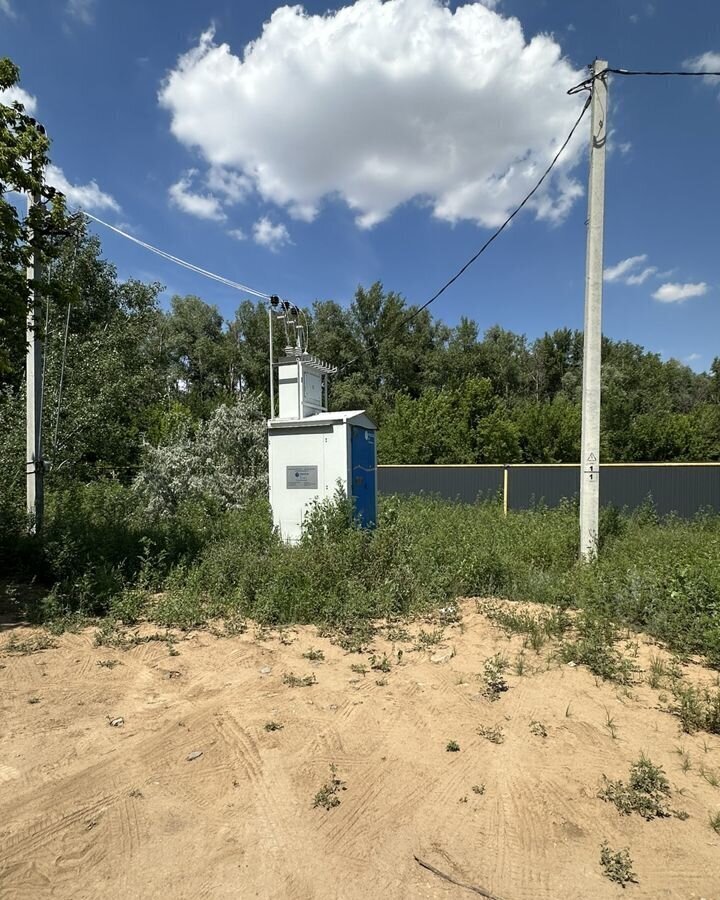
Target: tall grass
{"x": 102, "y": 554}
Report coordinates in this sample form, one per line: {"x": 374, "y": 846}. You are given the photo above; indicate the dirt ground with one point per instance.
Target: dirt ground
{"x": 94, "y": 810}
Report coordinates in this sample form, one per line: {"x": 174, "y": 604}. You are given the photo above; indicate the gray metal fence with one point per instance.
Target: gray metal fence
{"x": 681, "y": 488}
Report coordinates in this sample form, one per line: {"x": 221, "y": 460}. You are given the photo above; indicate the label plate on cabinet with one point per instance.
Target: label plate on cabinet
{"x": 302, "y": 477}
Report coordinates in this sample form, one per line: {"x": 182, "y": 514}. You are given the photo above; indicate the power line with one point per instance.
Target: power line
{"x": 416, "y": 312}
{"x": 586, "y": 85}
{"x": 236, "y": 285}
{"x": 633, "y": 72}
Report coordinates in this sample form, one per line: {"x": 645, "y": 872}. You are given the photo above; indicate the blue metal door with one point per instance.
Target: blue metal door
{"x": 363, "y": 472}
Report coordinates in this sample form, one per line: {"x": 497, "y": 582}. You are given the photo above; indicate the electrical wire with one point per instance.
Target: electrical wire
{"x": 180, "y": 262}
{"x": 586, "y": 85}
{"x": 634, "y": 72}
{"x": 416, "y": 312}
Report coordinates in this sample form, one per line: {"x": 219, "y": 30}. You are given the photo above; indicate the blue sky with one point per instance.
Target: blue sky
{"x": 383, "y": 144}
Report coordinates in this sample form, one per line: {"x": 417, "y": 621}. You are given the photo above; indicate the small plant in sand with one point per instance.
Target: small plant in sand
{"x": 292, "y": 680}
{"x": 492, "y": 733}
{"x": 380, "y": 664}
{"x": 396, "y": 634}
{"x": 610, "y": 725}
{"x": 617, "y": 865}
{"x": 355, "y": 637}
{"x": 715, "y": 822}
{"x": 427, "y": 639}
{"x": 538, "y": 729}
{"x": 359, "y": 669}
{"x": 709, "y": 775}
{"x": 32, "y": 645}
{"x": 647, "y": 792}
{"x": 452, "y": 747}
{"x": 478, "y": 789}
{"x": 493, "y": 677}
{"x": 327, "y": 796}
{"x": 314, "y": 655}
{"x": 698, "y": 709}
{"x": 272, "y": 725}
{"x": 594, "y": 646}
{"x": 109, "y": 663}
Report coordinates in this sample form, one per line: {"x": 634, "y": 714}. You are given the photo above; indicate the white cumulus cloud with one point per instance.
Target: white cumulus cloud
{"x": 18, "y": 95}
{"x": 232, "y": 186}
{"x": 641, "y": 277}
{"x": 706, "y": 62}
{"x": 237, "y": 233}
{"x": 268, "y": 235}
{"x": 380, "y": 103}
{"x": 82, "y": 10}
{"x": 86, "y": 196}
{"x": 204, "y": 206}
{"x": 672, "y": 292}
{"x": 6, "y": 8}
{"x": 620, "y": 271}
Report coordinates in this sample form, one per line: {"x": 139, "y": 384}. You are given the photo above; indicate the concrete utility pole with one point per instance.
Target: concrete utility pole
{"x": 592, "y": 349}
{"x": 34, "y": 464}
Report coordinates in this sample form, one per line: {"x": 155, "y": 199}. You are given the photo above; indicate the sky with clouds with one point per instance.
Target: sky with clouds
{"x": 304, "y": 151}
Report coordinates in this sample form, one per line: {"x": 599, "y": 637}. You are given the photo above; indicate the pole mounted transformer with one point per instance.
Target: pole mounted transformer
{"x": 313, "y": 452}
{"x": 592, "y": 346}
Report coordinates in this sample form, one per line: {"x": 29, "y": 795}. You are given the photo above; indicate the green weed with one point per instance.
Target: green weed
{"x": 492, "y": 733}
{"x": 380, "y": 664}
{"x": 327, "y": 796}
{"x": 617, "y": 865}
{"x": 427, "y": 639}
{"x": 698, "y": 709}
{"x": 34, "y": 644}
{"x": 538, "y": 729}
{"x": 594, "y": 647}
{"x": 493, "y": 677}
{"x": 292, "y": 680}
{"x": 647, "y": 792}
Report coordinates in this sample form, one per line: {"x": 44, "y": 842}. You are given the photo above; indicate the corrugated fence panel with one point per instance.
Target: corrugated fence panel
{"x": 682, "y": 489}
{"x": 531, "y": 485}
{"x": 464, "y": 483}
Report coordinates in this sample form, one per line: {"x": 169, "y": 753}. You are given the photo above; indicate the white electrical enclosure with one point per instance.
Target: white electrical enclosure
{"x": 310, "y": 457}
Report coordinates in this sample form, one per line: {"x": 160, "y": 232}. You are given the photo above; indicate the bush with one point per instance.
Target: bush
{"x": 101, "y": 545}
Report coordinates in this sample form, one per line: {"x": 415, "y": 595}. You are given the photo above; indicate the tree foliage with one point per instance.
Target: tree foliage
{"x": 131, "y": 380}
{"x": 23, "y": 158}
{"x": 222, "y": 462}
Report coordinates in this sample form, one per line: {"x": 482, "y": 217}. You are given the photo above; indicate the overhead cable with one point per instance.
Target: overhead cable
{"x": 236, "y": 285}
{"x": 587, "y": 83}
{"x": 416, "y": 312}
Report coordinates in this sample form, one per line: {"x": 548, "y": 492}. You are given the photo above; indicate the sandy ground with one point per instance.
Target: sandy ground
{"x": 91, "y": 810}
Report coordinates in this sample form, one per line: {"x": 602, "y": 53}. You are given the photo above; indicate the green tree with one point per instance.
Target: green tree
{"x": 23, "y": 158}
{"x": 199, "y": 351}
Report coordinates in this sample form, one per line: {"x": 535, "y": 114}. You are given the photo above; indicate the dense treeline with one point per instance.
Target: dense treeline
{"x": 133, "y": 372}
{"x": 122, "y": 372}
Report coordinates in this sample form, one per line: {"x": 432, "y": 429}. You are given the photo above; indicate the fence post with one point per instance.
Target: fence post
{"x": 505, "y": 489}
